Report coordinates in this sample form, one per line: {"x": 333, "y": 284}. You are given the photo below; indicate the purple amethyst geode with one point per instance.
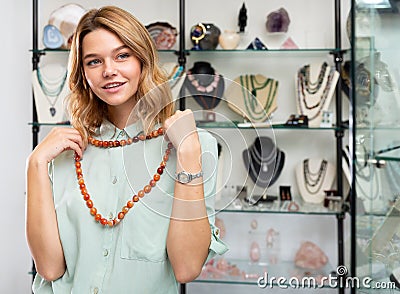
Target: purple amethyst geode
{"x": 278, "y": 21}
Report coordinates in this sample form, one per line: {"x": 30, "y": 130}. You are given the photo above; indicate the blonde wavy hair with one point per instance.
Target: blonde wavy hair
{"x": 154, "y": 99}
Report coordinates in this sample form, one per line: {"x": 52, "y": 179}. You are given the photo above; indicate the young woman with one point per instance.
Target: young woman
{"x": 122, "y": 201}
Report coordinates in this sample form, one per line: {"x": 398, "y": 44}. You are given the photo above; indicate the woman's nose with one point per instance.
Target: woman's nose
{"x": 109, "y": 70}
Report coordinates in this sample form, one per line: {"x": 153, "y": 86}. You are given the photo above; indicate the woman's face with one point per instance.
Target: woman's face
{"x": 111, "y": 69}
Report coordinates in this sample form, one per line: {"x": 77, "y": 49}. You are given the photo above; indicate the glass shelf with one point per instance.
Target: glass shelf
{"x": 380, "y": 128}
{"x": 273, "y": 207}
{"x": 289, "y": 51}
{"x": 246, "y": 272}
{"x": 242, "y": 125}
{"x": 246, "y": 51}
{"x": 38, "y": 124}
{"x": 393, "y": 155}
{"x": 45, "y": 50}
{"x": 216, "y": 125}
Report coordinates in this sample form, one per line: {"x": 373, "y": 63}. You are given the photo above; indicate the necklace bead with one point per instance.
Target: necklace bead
{"x": 129, "y": 141}
{"x": 321, "y": 90}
{"x": 135, "y": 198}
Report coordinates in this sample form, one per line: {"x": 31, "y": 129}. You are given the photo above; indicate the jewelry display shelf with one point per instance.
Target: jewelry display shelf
{"x": 244, "y": 125}
{"x": 393, "y": 155}
{"x": 38, "y": 124}
{"x": 337, "y": 53}
{"x": 306, "y": 209}
{"x": 275, "y": 207}
{"x": 248, "y": 273}
{"x": 379, "y": 128}
{"x": 313, "y": 51}
{"x": 47, "y": 50}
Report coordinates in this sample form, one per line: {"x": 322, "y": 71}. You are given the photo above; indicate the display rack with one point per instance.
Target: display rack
{"x": 339, "y": 130}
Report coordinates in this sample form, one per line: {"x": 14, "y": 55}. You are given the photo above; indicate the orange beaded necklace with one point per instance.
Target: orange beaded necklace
{"x": 146, "y": 189}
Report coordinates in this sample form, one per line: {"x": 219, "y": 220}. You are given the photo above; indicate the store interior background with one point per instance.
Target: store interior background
{"x": 16, "y": 113}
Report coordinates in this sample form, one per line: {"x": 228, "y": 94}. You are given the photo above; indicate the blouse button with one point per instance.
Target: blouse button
{"x": 114, "y": 181}
{"x": 95, "y": 290}
{"x": 110, "y": 216}
{"x": 105, "y": 252}
{"x": 122, "y": 133}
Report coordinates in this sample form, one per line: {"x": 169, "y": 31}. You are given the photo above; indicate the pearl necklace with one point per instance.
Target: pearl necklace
{"x": 130, "y": 203}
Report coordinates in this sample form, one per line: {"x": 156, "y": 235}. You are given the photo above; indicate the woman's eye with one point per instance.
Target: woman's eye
{"x": 123, "y": 56}
{"x": 93, "y": 62}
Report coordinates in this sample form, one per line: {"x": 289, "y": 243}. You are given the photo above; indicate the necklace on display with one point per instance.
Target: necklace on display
{"x": 305, "y": 93}
{"x": 175, "y": 75}
{"x": 140, "y": 194}
{"x": 200, "y": 89}
{"x": 313, "y": 87}
{"x": 250, "y": 87}
{"x": 312, "y": 180}
{"x": 211, "y": 87}
{"x": 51, "y": 89}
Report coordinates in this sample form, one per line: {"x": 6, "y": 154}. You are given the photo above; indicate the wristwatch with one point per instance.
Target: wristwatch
{"x": 185, "y": 177}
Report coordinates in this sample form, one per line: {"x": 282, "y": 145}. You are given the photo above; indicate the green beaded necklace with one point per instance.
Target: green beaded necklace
{"x": 250, "y": 87}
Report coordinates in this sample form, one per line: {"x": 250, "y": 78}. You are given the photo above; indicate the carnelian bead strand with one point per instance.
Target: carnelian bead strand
{"x": 129, "y": 141}
{"x": 130, "y": 203}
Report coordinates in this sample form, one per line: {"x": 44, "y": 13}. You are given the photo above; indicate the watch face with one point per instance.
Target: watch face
{"x": 183, "y": 177}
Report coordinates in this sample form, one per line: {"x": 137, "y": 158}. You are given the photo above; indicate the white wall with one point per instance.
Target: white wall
{"x": 15, "y": 113}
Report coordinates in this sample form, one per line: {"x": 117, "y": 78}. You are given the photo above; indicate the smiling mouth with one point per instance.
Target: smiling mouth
{"x": 112, "y": 85}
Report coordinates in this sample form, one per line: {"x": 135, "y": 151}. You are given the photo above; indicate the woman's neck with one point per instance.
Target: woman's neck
{"x": 119, "y": 115}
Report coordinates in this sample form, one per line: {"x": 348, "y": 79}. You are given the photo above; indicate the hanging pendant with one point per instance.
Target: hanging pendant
{"x": 52, "y": 111}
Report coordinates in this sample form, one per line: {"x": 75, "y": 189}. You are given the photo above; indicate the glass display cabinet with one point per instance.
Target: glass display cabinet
{"x": 375, "y": 73}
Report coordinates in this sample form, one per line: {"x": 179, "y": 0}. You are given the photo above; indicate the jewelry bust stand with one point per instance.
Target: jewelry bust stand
{"x": 253, "y": 96}
{"x": 314, "y": 176}
{"x": 315, "y": 86}
{"x": 206, "y": 86}
{"x": 50, "y": 87}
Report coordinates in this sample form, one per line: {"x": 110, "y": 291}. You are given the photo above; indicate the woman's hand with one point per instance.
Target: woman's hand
{"x": 58, "y": 140}
{"x": 181, "y": 130}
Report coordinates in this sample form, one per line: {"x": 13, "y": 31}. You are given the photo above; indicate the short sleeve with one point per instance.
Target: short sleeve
{"x": 210, "y": 167}
{"x": 217, "y": 246}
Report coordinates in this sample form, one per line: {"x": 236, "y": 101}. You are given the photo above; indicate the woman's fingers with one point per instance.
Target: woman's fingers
{"x": 57, "y": 141}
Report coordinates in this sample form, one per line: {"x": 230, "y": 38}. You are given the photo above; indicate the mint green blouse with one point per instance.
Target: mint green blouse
{"x": 130, "y": 257}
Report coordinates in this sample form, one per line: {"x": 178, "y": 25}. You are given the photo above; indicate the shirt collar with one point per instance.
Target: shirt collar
{"x": 108, "y": 131}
